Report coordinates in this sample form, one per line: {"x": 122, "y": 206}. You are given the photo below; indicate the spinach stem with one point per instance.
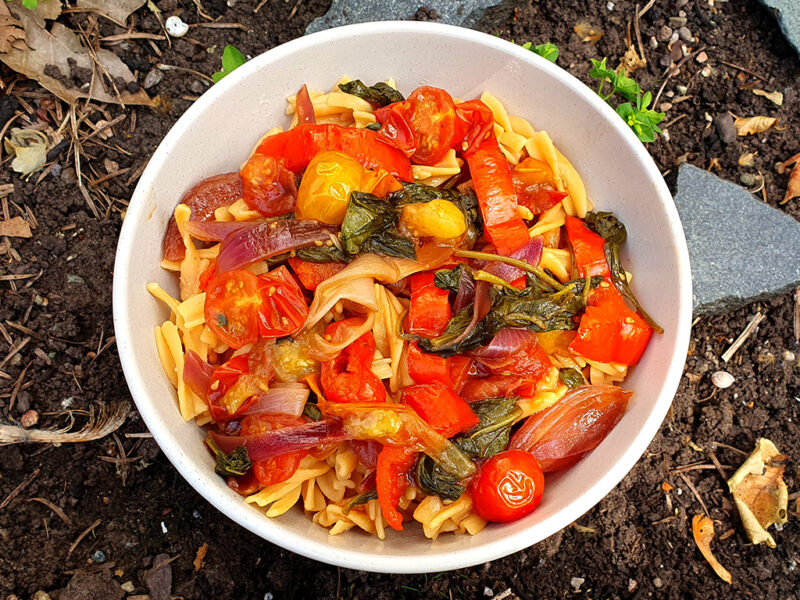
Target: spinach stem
{"x": 521, "y": 264}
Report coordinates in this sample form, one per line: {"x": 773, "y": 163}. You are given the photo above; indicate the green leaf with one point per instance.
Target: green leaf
{"x": 572, "y": 378}
{"x": 490, "y": 436}
{"x": 432, "y": 480}
{"x": 359, "y": 500}
{"x": 312, "y": 411}
{"x": 547, "y": 50}
{"x": 236, "y": 463}
{"x": 627, "y": 86}
{"x": 322, "y": 254}
{"x": 607, "y": 226}
{"x": 380, "y": 94}
{"x": 600, "y": 71}
{"x": 30, "y": 4}
{"x": 370, "y": 225}
{"x": 449, "y": 279}
{"x": 232, "y": 59}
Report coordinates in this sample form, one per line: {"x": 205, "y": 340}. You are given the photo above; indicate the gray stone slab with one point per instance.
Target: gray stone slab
{"x": 741, "y": 249}
{"x": 788, "y": 14}
{"x": 347, "y": 12}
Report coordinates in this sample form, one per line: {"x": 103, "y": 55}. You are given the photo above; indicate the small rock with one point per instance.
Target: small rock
{"x": 653, "y": 43}
{"x": 682, "y": 90}
{"x": 41, "y": 595}
{"x": 98, "y": 584}
{"x": 682, "y": 13}
{"x": 99, "y": 556}
{"x": 153, "y": 78}
{"x": 706, "y": 72}
{"x": 576, "y": 583}
{"x": 128, "y": 586}
{"x": 665, "y": 61}
{"x": 789, "y": 356}
{"x": 665, "y": 135}
{"x": 657, "y": 582}
{"x": 722, "y": 379}
{"x": 677, "y": 51}
{"x": 669, "y": 94}
{"x": 747, "y": 179}
{"x": 674, "y": 37}
{"x": 55, "y": 170}
{"x": 701, "y": 57}
{"x": 75, "y": 279}
{"x": 159, "y": 579}
{"x": 686, "y": 34}
{"x": 488, "y": 592}
{"x": 176, "y": 27}
{"x": 29, "y": 419}
{"x": 632, "y": 584}
{"x": 665, "y": 106}
{"x": 610, "y": 6}
{"x": 725, "y": 128}
{"x": 197, "y": 87}
{"x": 111, "y": 166}
{"x": 665, "y": 33}
{"x": 132, "y": 87}
{"x": 677, "y": 22}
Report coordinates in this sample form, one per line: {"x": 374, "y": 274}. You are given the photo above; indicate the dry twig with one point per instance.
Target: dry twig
{"x": 107, "y": 421}
{"x": 15, "y": 492}
{"x": 83, "y": 535}
{"x": 751, "y": 326}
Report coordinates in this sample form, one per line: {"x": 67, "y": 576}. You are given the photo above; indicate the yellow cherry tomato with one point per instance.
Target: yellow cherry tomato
{"x": 325, "y": 189}
{"x": 439, "y": 219}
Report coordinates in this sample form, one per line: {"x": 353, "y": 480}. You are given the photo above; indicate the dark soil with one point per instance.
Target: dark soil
{"x": 634, "y": 547}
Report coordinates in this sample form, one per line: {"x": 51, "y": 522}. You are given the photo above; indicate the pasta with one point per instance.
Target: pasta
{"x": 249, "y": 355}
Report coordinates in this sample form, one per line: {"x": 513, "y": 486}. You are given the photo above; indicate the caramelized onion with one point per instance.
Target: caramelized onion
{"x": 280, "y": 441}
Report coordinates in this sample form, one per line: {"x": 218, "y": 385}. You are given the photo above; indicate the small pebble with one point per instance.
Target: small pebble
{"x": 132, "y": 87}
{"x": 55, "y": 170}
{"x": 268, "y": 596}
{"x": 682, "y": 13}
{"x": 701, "y": 57}
{"x": 67, "y": 402}
{"x": 665, "y": 61}
{"x": 665, "y": 106}
{"x": 576, "y": 583}
{"x": 632, "y": 583}
{"x": 176, "y": 27}
{"x": 747, "y": 179}
{"x": 657, "y": 582}
{"x": 722, "y": 379}
{"x": 99, "y": 556}
{"x": 29, "y": 418}
{"x": 676, "y": 22}
{"x": 681, "y": 89}
{"x": 41, "y": 595}
{"x": 653, "y": 43}
{"x": 674, "y": 37}
{"x": 75, "y": 279}
{"x": 789, "y": 356}
{"x": 677, "y": 51}
{"x": 153, "y": 78}
{"x": 610, "y": 6}
{"x": 665, "y": 135}
{"x": 706, "y": 72}
{"x": 725, "y": 128}
{"x": 128, "y": 587}
{"x": 665, "y": 33}
{"x": 163, "y": 528}
{"x": 488, "y": 592}
{"x": 669, "y": 94}
{"x": 686, "y": 34}
{"x": 197, "y": 87}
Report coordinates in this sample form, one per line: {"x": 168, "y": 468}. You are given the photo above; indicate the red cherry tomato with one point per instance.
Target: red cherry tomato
{"x": 231, "y": 309}
{"x": 279, "y": 468}
{"x": 348, "y": 377}
{"x": 509, "y": 487}
{"x": 285, "y": 309}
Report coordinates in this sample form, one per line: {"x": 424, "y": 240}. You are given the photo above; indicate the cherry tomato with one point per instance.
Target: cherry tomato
{"x": 231, "y": 309}
{"x": 536, "y": 186}
{"x": 304, "y": 106}
{"x": 326, "y": 185}
{"x": 203, "y": 199}
{"x": 284, "y": 310}
{"x": 348, "y": 378}
{"x": 231, "y": 388}
{"x": 395, "y": 127}
{"x": 474, "y": 123}
{"x": 279, "y": 468}
{"x": 509, "y": 487}
{"x": 268, "y": 186}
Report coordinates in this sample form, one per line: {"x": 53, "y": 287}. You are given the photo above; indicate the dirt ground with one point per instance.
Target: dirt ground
{"x": 629, "y": 546}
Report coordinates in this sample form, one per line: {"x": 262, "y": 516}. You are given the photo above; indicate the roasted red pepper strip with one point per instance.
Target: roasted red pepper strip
{"x": 459, "y": 367}
{"x": 588, "y": 249}
{"x": 430, "y": 309}
{"x": 430, "y": 368}
{"x": 312, "y": 274}
{"x": 440, "y": 407}
{"x": 348, "y": 378}
{"x": 394, "y": 462}
{"x": 610, "y": 331}
{"x": 496, "y": 197}
{"x": 300, "y": 144}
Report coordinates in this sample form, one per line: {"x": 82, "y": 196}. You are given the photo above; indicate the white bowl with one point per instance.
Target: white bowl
{"x": 216, "y": 135}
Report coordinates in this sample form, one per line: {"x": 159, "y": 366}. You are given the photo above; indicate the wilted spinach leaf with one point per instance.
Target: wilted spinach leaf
{"x": 373, "y": 126}
{"x": 312, "y": 411}
{"x": 379, "y": 94}
{"x": 370, "y": 225}
{"x": 236, "y": 463}
{"x": 572, "y": 378}
{"x": 449, "y": 279}
{"x": 491, "y": 434}
{"x": 443, "y": 345}
{"x": 612, "y": 230}
{"x": 434, "y": 481}
{"x": 321, "y": 254}
{"x": 359, "y": 500}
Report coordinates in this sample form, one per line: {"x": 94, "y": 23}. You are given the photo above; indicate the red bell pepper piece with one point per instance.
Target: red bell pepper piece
{"x": 496, "y": 197}
{"x": 474, "y": 123}
{"x": 391, "y": 481}
{"x": 430, "y": 309}
{"x": 348, "y": 378}
{"x": 459, "y": 367}
{"x": 430, "y": 368}
{"x": 300, "y": 144}
{"x": 588, "y": 249}
{"x": 609, "y": 331}
{"x": 441, "y": 408}
{"x": 312, "y": 274}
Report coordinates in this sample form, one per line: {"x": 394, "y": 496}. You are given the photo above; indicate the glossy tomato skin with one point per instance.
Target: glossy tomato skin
{"x": 231, "y": 307}
{"x": 509, "y": 487}
{"x": 284, "y": 308}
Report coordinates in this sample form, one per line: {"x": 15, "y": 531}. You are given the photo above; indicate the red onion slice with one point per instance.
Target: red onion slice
{"x": 530, "y": 253}
{"x": 197, "y": 373}
{"x": 280, "y": 441}
{"x": 466, "y": 292}
{"x": 504, "y": 347}
{"x": 481, "y": 307}
{"x": 266, "y": 240}
{"x": 280, "y": 400}
{"x": 216, "y": 231}
{"x": 304, "y": 107}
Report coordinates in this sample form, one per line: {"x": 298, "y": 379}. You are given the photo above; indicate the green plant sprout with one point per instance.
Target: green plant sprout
{"x": 547, "y": 50}
{"x": 232, "y": 59}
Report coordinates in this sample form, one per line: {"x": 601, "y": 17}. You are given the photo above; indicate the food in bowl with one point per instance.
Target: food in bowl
{"x": 398, "y": 310}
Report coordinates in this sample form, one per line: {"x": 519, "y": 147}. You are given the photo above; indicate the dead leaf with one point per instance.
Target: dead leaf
{"x": 793, "y": 188}
{"x": 751, "y": 125}
{"x": 116, "y": 10}
{"x": 200, "y": 557}
{"x": 788, "y": 163}
{"x": 774, "y": 97}
{"x": 587, "y": 33}
{"x": 667, "y": 486}
{"x": 16, "y": 227}
{"x": 760, "y": 493}
{"x": 12, "y": 35}
{"x": 631, "y": 61}
{"x": 747, "y": 159}
{"x": 29, "y": 148}
{"x": 703, "y": 532}
{"x": 60, "y": 63}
